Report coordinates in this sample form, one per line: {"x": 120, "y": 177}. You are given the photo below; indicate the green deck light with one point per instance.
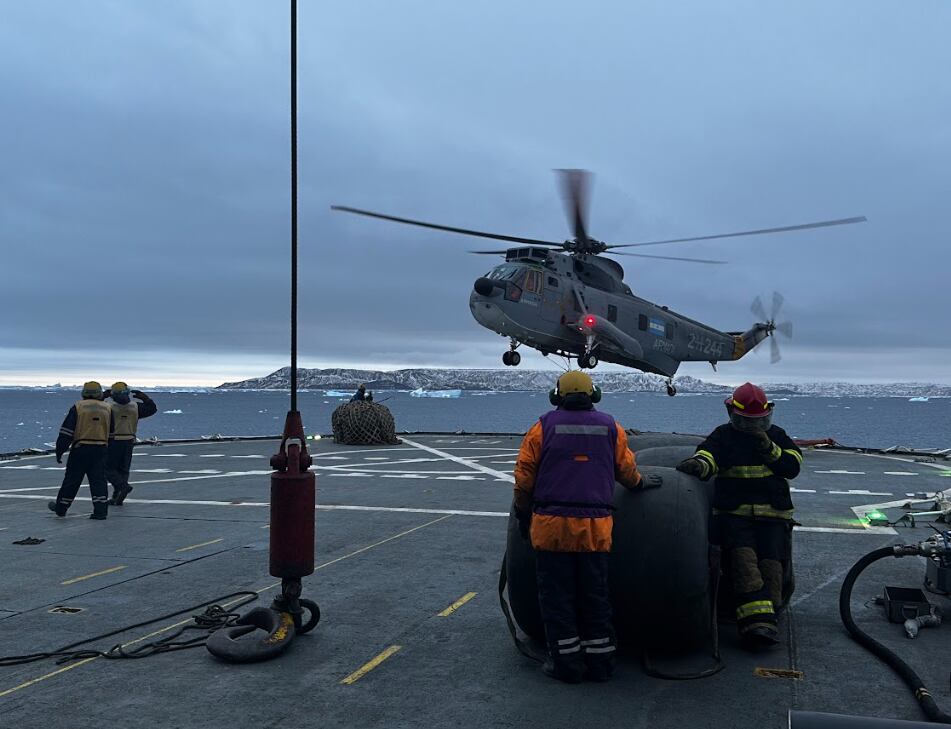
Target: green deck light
{"x": 877, "y": 518}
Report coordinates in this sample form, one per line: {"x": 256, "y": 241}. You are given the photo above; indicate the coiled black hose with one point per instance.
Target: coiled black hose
{"x": 906, "y": 672}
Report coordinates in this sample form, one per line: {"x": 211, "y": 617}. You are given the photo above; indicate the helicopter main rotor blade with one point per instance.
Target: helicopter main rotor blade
{"x": 668, "y": 258}
{"x": 761, "y": 231}
{"x": 785, "y": 328}
{"x": 488, "y": 253}
{"x": 450, "y": 229}
{"x": 575, "y": 186}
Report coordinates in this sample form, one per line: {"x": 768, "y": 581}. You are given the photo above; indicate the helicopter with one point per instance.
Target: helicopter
{"x": 567, "y": 299}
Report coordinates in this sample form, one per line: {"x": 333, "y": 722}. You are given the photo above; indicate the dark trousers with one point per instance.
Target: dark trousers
{"x": 757, "y": 548}
{"x": 576, "y": 610}
{"x": 118, "y": 463}
{"x": 85, "y": 461}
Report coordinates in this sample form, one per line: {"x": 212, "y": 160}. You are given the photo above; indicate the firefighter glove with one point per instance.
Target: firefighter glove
{"x": 692, "y": 467}
{"x": 761, "y": 440}
{"x": 652, "y": 481}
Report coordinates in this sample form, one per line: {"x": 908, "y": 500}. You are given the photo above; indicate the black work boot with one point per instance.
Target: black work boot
{"x": 562, "y": 673}
{"x": 600, "y": 672}
{"x": 760, "y": 637}
{"x": 120, "y": 495}
{"x": 54, "y": 507}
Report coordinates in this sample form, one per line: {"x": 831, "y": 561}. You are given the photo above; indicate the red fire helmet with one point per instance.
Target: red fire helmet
{"x": 749, "y": 401}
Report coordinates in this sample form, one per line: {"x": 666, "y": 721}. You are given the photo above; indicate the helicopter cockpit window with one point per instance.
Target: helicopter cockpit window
{"x": 503, "y": 272}
{"x": 533, "y": 282}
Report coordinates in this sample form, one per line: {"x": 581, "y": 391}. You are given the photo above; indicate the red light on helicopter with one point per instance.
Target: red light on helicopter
{"x": 589, "y": 321}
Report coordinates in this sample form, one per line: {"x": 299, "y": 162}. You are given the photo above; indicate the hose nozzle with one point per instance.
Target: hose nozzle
{"x": 907, "y": 550}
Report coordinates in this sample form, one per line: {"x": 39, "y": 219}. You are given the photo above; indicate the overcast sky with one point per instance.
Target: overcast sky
{"x": 144, "y": 215}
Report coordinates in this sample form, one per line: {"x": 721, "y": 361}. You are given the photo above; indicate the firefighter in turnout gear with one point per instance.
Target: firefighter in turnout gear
{"x": 126, "y": 415}
{"x": 85, "y": 432}
{"x": 564, "y": 491}
{"x": 752, "y": 460}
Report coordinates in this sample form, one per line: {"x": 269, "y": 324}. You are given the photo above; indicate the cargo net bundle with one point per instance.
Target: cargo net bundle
{"x": 364, "y": 423}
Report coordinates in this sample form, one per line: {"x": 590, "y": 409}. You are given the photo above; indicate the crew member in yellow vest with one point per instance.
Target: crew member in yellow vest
{"x": 126, "y": 415}
{"x": 85, "y": 433}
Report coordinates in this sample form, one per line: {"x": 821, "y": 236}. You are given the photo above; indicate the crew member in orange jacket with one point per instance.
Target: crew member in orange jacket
{"x": 564, "y": 489}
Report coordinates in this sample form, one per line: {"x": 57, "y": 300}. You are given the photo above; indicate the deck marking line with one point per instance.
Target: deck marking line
{"x": 32, "y": 681}
{"x": 846, "y": 530}
{"x": 202, "y": 544}
{"x": 32, "y": 488}
{"x": 180, "y": 623}
{"x": 462, "y": 461}
{"x": 369, "y": 666}
{"x": 319, "y": 507}
{"x": 906, "y": 459}
{"x": 456, "y": 605}
{"x": 94, "y": 574}
{"x": 861, "y": 492}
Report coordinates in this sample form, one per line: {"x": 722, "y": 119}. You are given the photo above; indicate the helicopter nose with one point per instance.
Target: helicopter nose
{"x": 485, "y": 286}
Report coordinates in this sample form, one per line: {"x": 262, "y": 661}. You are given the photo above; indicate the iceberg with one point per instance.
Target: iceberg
{"x": 917, "y": 399}
{"x": 420, "y": 392}
{"x": 337, "y": 393}
{"x": 171, "y": 412}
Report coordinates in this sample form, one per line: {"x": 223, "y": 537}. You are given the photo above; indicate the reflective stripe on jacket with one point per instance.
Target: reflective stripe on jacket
{"x": 750, "y": 481}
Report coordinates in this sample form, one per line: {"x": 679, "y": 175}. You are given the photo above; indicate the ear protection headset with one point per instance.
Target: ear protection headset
{"x": 557, "y": 399}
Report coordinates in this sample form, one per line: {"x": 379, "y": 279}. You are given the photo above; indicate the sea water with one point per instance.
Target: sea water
{"x": 31, "y": 418}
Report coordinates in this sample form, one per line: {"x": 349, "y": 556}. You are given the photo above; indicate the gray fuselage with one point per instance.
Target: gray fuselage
{"x": 568, "y": 304}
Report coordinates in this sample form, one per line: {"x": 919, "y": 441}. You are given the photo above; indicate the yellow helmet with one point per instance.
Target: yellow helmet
{"x": 92, "y": 390}
{"x": 119, "y": 387}
{"x": 575, "y": 381}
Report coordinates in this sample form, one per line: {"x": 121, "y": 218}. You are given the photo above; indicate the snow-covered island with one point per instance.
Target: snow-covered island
{"x": 514, "y": 380}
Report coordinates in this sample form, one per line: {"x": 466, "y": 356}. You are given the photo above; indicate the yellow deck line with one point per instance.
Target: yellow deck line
{"x": 367, "y": 667}
{"x": 94, "y": 574}
{"x": 167, "y": 628}
{"x": 457, "y": 604}
{"x": 201, "y": 544}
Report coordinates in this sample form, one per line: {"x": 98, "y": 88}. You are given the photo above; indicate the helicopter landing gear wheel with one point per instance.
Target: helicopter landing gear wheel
{"x": 671, "y": 390}
{"x": 587, "y": 361}
{"x": 511, "y": 359}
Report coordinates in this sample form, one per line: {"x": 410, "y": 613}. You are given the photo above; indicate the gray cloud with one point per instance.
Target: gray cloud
{"x": 144, "y": 202}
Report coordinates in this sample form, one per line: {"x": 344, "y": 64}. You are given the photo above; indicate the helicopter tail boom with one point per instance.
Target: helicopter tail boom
{"x": 744, "y": 342}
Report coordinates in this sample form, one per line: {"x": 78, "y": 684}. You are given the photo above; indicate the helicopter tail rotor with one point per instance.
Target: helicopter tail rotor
{"x": 770, "y": 325}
